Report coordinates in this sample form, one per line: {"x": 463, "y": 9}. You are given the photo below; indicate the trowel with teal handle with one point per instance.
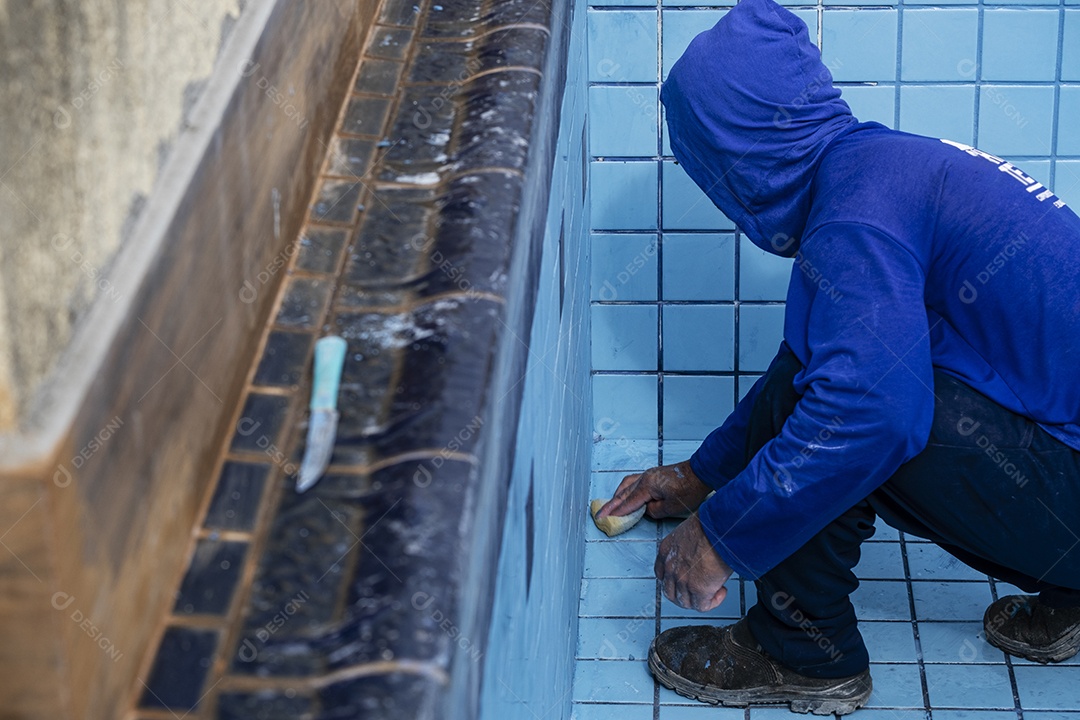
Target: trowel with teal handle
{"x": 322, "y": 427}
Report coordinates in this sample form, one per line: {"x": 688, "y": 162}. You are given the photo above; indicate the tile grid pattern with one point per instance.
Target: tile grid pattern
{"x": 687, "y": 313}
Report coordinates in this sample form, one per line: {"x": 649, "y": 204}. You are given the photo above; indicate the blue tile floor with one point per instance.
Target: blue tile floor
{"x": 920, "y": 610}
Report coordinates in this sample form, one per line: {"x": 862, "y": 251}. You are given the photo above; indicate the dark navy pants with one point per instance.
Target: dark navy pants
{"x": 992, "y": 488}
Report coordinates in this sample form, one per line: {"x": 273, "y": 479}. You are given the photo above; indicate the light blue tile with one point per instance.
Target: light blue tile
{"x": 975, "y": 714}
{"x": 889, "y": 641}
{"x": 1038, "y": 169}
{"x": 624, "y": 406}
{"x": 1067, "y": 183}
{"x": 969, "y": 686}
{"x": 686, "y": 207}
{"x": 1070, "y": 56}
{"x": 678, "y": 450}
{"x": 697, "y": 712}
{"x": 617, "y": 597}
{"x": 761, "y": 328}
{"x": 929, "y": 562}
{"x": 619, "y": 560}
{"x": 951, "y": 600}
{"x": 746, "y": 382}
{"x": 699, "y": 337}
{"x": 624, "y": 267}
{"x": 699, "y": 267}
{"x": 1068, "y": 128}
{"x": 593, "y": 711}
{"x": 612, "y": 681}
{"x": 614, "y": 638}
{"x": 1016, "y": 119}
{"x": 895, "y": 686}
{"x": 1019, "y": 44}
{"x": 682, "y": 26}
{"x": 629, "y": 455}
{"x": 859, "y": 44}
{"x": 622, "y": 3}
{"x": 623, "y": 121}
{"x": 956, "y": 642}
{"x": 762, "y": 275}
{"x": 622, "y": 46}
{"x": 696, "y": 3}
{"x": 941, "y": 111}
{"x": 810, "y": 19}
{"x": 872, "y": 103}
{"x": 880, "y": 561}
{"x": 940, "y": 44}
{"x": 624, "y": 337}
{"x": 1048, "y": 688}
{"x": 623, "y": 195}
{"x": 881, "y": 600}
{"x": 696, "y": 405}
{"x": 665, "y": 145}
{"x": 941, "y": 2}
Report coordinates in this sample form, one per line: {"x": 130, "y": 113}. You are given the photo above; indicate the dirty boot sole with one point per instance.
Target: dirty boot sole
{"x": 845, "y": 697}
{"x": 1061, "y": 649}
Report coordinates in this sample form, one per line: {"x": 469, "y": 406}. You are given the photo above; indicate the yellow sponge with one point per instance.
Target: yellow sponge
{"x": 614, "y": 525}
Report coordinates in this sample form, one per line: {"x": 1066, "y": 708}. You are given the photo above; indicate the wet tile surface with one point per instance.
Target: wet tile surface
{"x": 180, "y": 667}
{"x": 284, "y": 358}
{"x": 211, "y": 578}
{"x": 237, "y": 496}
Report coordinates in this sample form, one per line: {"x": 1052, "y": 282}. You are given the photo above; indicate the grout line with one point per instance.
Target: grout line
{"x": 915, "y": 627}
{"x": 1019, "y": 709}
{"x": 978, "y": 75}
{"x": 1055, "y": 121}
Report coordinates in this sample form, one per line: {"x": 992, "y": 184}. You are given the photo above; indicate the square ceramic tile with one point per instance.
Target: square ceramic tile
{"x": 940, "y": 111}
{"x": 624, "y": 267}
{"x": 618, "y": 597}
{"x": 889, "y": 641}
{"x": 881, "y": 600}
{"x": 1068, "y": 128}
{"x": 746, "y": 383}
{"x": 859, "y": 44}
{"x": 623, "y": 121}
{"x": 1038, "y": 169}
{"x": 699, "y": 266}
{"x": 1048, "y": 687}
{"x": 603, "y": 485}
{"x": 681, "y": 27}
{"x": 940, "y": 44}
{"x": 810, "y": 19}
{"x": 929, "y": 562}
{"x": 698, "y": 337}
{"x": 686, "y": 207}
{"x": 694, "y": 406}
{"x": 969, "y": 686}
{"x": 620, "y": 453}
{"x": 699, "y": 712}
{"x": 871, "y": 103}
{"x": 974, "y": 714}
{"x": 1067, "y": 183}
{"x": 613, "y": 681}
{"x": 951, "y": 600}
{"x": 622, "y": 46}
{"x": 1070, "y": 50}
{"x": 761, "y": 328}
{"x": 675, "y": 451}
{"x": 956, "y": 642}
{"x": 614, "y": 638}
{"x": 597, "y": 711}
{"x": 624, "y": 337}
{"x": 880, "y": 561}
{"x": 1016, "y": 119}
{"x": 623, "y": 195}
{"x": 762, "y": 275}
{"x": 619, "y": 560}
{"x": 1019, "y": 44}
{"x": 896, "y": 686}
{"x": 624, "y": 406}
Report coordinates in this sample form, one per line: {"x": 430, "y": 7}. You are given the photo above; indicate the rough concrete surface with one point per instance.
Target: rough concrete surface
{"x": 92, "y": 94}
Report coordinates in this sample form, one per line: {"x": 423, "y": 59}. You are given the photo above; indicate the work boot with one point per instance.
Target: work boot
{"x": 726, "y": 666}
{"x": 1022, "y": 626}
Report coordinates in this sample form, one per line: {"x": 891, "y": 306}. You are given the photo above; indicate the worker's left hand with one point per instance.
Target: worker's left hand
{"x": 689, "y": 570}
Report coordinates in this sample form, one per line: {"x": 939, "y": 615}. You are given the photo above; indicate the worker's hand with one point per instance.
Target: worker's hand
{"x": 689, "y": 570}
{"x": 666, "y": 491}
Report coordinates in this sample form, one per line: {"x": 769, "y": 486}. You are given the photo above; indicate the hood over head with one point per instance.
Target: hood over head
{"x": 750, "y": 109}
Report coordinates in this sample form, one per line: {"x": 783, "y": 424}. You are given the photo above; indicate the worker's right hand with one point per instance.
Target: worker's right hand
{"x": 665, "y": 491}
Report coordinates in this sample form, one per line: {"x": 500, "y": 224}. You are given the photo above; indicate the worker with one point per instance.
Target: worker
{"x": 928, "y": 377}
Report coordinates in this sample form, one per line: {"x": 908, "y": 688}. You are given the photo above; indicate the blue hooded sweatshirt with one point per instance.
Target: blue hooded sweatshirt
{"x": 911, "y": 253}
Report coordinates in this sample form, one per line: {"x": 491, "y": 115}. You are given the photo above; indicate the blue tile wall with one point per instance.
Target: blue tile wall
{"x": 1003, "y": 75}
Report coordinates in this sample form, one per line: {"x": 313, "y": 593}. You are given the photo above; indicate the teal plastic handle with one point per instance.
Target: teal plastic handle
{"x": 329, "y": 362}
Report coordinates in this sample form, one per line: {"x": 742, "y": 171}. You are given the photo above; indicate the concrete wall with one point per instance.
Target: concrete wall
{"x": 93, "y": 94}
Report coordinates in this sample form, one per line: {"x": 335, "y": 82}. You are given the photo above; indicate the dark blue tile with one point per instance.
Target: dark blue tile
{"x": 211, "y": 578}
{"x": 304, "y": 302}
{"x": 180, "y": 667}
{"x": 237, "y": 496}
{"x": 284, "y": 358}
{"x": 260, "y": 422}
